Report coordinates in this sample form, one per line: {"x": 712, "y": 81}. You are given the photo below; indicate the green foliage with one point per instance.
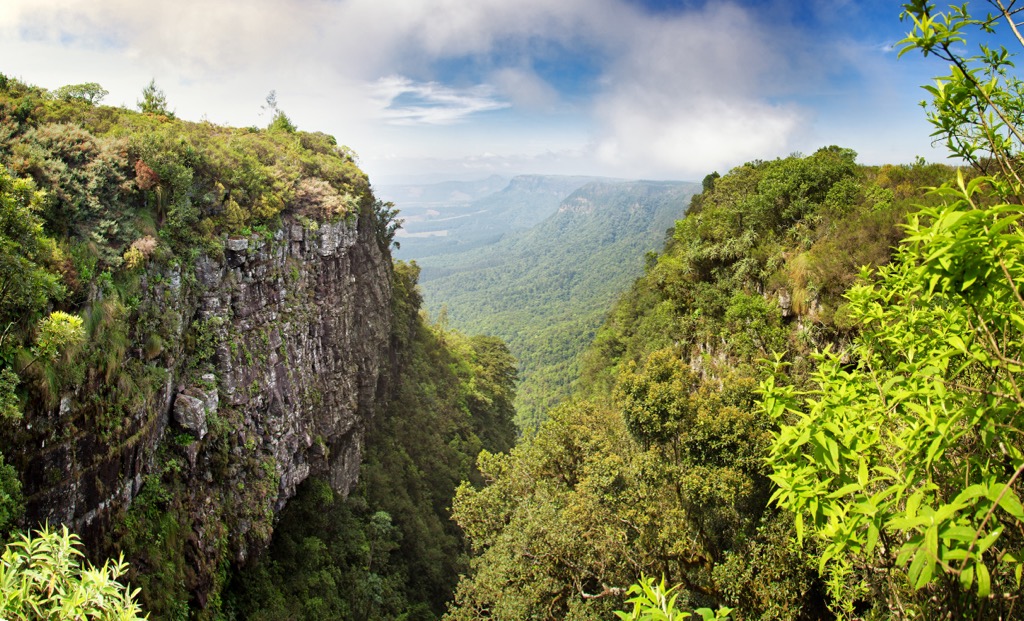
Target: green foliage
{"x": 103, "y": 213}
{"x": 41, "y": 577}
{"x": 905, "y": 456}
{"x": 655, "y": 602}
{"x": 765, "y": 244}
{"x": 551, "y": 527}
{"x": 57, "y": 332}
{"x": 571, "y": 515}
{"x": 11, "y": 500}
{"x": 90, "y": 92}
{"x": 546, "y": 290}
{"x": 27, "y": 255}
{"x": 977, "y": 109}
{"x": 28, "y": 261}
{"x": 154, "y": 101}
{"x": 385, "y": 217}
{"x": 279, "y": 121}
{"x": 113, "y": 177}
{"x": 282, "y": 123}
{"x": 320, "y": 564}
{"x": 656, "y": 401}
{"x": 661, "y": 468}
{"x": 84, "y": 175}
{"x": 936, "y": 494}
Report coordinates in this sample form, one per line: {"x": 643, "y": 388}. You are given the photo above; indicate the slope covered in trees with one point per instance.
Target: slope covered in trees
{"x": 776, "y": 430}
{"x": 105, "y": 215}
{"x": 658, "y": 466}
{"x": 545, "y": 290}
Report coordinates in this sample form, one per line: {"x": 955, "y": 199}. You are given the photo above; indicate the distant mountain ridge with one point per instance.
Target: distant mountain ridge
{"x": 442, "y": 191}
{"x": 544, "y": 290}
{"x": 449, "y": 217}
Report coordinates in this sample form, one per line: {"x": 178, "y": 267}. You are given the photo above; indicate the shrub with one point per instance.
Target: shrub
{"x": 42, "y": 577}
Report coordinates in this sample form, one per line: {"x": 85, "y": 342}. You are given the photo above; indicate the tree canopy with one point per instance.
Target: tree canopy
{"x": 905, "y": 455}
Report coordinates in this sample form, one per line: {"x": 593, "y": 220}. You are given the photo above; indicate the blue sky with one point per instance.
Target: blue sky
{"x": 420, "y": 89}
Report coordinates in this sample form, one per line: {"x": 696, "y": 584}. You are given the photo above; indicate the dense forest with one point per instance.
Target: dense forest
{"x": 545, "y": 290}
{"x": 108, "y": 219}
{"x": 808, "y": 405}
{"x": 658, "y": 466}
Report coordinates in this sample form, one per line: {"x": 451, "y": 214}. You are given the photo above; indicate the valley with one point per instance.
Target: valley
{"x": 560, "y": 251}
{"x": 238, "y": 380}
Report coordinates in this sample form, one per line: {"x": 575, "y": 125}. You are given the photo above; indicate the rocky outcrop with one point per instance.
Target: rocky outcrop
{"x": 302, "y": 321}
{"x": 254, "y": 369}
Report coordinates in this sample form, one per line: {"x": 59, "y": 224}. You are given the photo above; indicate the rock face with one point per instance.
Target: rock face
{"x": 271, "y": 358}
{"x": 302, "y": 324}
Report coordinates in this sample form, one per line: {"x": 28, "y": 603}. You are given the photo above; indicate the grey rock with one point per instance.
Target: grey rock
{"x": 190, "y": 413}
{"x": 296, "y": 360}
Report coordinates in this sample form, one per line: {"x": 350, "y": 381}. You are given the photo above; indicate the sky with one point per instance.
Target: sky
{"x": 463, "y": 89}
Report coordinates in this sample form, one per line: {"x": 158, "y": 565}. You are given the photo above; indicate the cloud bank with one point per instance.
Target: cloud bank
{"x": 667, "y": 94}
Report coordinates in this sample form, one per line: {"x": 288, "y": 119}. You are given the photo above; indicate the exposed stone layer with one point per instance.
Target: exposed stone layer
{"x": 278, "y": 347}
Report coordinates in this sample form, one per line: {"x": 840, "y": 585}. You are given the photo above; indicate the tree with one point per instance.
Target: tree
{"x": 658, "y": 399}
{"x": 906, "y": 457}
{"x": 977, "y": 110}
{"x": 386, "y": 223}
{"x": 279, "y": 120}
{"x": 27, "y": 283}
{"x": 154, "y": 101}
{"x": 11, "y": 506}
{"x": 26, "y": 252}
{"x": 58, "y": 332}
{"x": 41, "y": 577}
{"x": 90, "y": 92}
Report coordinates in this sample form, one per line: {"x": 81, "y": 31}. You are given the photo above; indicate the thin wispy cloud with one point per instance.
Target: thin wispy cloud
{"x": 401, "y": 101}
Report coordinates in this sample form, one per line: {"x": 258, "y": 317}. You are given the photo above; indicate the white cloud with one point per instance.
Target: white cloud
{"x": 693, "y": 92}
{"x": 694, "y": 139}
{"x": 525, "y": 88}
{"x": 677, "y": 93}
{"x": 358, "y": 38}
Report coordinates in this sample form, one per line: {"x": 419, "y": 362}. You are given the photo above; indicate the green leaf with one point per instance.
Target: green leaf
{"x": 931, "y": 541}
{"x": 914, "y": 502}
{"x": 844, "y": 490}
{"x": 963, "y": 534}
{"x": 957, "y": 343}
{"x": 1010, "y": 503}
{"x": 967, "y": 578}
{"x": 984, "y": 581}
{"x": 986, "y": 542}
{"x": 872, "y": 538}
{"x": 920, "y": 571}
{"x": 970, "y": 493}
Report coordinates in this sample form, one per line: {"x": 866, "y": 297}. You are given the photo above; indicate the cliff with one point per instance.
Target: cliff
{"x": 272, "y": 377}
{"x": 234, "y": 288}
